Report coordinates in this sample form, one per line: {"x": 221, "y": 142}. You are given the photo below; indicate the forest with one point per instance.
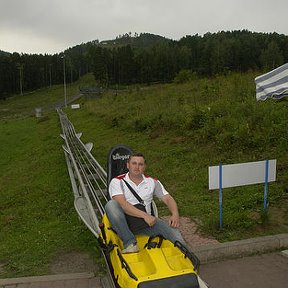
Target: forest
{"x": 144, "y": 58}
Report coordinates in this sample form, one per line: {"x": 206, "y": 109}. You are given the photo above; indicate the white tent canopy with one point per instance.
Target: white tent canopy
{"x": 273, "y": 84}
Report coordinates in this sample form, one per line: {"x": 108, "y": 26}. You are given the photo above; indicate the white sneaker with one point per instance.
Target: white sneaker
{"x": 132, "y": 248}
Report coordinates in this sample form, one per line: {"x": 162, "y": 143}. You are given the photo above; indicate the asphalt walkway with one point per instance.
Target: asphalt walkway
{"x": 206, "y": 253}
{"x": 259, "y": 271}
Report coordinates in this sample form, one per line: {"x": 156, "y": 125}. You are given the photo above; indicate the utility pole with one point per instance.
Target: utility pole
{"x": 64, "y": 81}
{"x": 50, "y": 75}
{"x": 20, "y": 67}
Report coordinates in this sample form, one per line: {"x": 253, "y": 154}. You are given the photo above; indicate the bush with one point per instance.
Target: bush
{"x": 184, "y": 76}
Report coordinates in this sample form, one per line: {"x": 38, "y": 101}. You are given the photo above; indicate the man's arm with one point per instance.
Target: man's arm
{"x": 133, "y": 211}
{"x": 169, "y": 201}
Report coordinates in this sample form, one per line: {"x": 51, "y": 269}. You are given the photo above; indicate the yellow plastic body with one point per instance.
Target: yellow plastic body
{"x": 147, "y": 264}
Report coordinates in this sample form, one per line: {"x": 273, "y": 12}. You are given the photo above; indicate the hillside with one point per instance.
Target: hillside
{"x": 185, "y": 128}
{"x": 142, "y": 40}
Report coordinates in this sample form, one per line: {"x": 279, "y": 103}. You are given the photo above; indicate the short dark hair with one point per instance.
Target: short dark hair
{"x": 137, "y": 154}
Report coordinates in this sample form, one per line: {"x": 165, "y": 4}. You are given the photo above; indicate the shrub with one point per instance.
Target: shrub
{"x": 184, "y": 76}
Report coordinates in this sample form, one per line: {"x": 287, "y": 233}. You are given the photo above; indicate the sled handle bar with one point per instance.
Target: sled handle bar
{"x": 151, "y": 244}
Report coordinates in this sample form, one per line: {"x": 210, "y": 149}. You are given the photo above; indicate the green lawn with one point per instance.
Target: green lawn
{"x": 37, "y": 217}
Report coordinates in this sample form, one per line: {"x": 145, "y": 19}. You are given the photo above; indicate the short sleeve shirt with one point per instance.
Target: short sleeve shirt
{"x": 146, "y": 189}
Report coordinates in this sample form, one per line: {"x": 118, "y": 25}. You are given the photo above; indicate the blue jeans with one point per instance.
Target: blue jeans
{"x": 118, "y": 222}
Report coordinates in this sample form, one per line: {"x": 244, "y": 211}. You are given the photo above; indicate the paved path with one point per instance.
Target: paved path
{"x": 261, "y": 271}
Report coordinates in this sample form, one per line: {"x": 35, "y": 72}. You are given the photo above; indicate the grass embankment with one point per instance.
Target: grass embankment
{"x": 182, "y": 129}
{"x": 185, "y": 128}
{"x": 37, "y": 216}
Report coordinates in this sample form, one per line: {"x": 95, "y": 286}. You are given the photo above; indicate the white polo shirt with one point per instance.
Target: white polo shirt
{"x": 146, "y": 189}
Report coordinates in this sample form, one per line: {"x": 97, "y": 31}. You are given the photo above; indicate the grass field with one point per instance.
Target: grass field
{"x": 37, "y": 216}
{"x": 182, "y": 129}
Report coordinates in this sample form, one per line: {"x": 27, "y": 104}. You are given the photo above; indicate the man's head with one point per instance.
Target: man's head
{"x": 137, "y": 154}
{"x": 136, "y": 164}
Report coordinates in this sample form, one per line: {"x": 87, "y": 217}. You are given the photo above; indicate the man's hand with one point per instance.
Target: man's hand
{"x": 174, "y": 221}
{"x": 149, "y": 219}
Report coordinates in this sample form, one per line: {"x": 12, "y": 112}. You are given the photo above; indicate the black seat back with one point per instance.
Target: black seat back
{"x": 117, "y": 161}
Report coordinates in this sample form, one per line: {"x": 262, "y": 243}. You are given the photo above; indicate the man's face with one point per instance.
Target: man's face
{"x": 136, "y": 165}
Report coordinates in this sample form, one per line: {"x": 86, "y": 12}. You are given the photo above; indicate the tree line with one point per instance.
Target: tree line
{"x": 144, "y": 58}
{"x": 21, "y": 73}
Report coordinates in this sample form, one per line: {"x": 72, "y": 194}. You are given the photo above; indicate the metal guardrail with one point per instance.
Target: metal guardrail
{"x": 87, "y": 177}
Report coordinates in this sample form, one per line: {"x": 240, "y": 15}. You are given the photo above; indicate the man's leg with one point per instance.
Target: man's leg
{"x": 162, "y": 228}
{"x": 118, "y": 222}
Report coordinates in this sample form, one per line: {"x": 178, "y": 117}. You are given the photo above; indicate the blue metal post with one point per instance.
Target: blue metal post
{"x": 266, "y": 184}
{"x": 220, "y": 194}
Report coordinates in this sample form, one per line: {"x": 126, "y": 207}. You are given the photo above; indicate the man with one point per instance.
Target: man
{"x": 122, "y": 202}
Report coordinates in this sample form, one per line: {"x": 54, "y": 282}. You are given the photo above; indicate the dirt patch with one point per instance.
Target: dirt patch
{"x": 2, "y": 268}
{"x": 73, "y": 262}
{"x": 278, "y": 216}
{"x": 191, "y": 234}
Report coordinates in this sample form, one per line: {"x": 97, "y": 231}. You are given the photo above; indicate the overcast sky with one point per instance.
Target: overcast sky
{"x": 51, "y": 26}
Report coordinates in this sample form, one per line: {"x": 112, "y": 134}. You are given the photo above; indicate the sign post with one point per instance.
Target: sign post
{"x": 220, "y": 195}
{"x": 224, "y": 176}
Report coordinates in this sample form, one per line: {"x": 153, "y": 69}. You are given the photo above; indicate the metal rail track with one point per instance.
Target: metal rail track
{"x": 87, "y": 177}
{"x": 89, "y": 184}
